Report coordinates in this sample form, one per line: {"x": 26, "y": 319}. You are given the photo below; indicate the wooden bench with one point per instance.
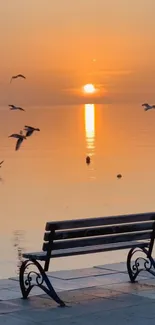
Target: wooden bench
{"x": 86, "y": 236}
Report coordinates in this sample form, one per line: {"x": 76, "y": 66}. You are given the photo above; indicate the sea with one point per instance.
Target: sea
{"x": 48, "y": 178}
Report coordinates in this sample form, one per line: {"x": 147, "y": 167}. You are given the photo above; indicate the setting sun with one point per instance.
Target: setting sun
{"x": 89, "y": 89}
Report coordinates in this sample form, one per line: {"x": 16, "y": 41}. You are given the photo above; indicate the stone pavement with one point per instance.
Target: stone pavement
{"x": 98, "y": 295}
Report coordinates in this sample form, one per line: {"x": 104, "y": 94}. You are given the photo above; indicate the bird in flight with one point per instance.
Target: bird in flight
{"x": 1, "y": 163}
{"x": 20, "y": 138}
{"x": 147, "y": 106}
{"x": 13, "y": 107}
{"x": 17, "y": 76}
{"x": 29, "y": 130}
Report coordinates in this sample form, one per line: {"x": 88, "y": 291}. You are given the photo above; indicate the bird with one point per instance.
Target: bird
{"x": 17, "y": 76}
{"x": 1, "y": 163}
{"x": 13, "y": 107}
{"x": 29, "y": 130}
{"x": 147, "y": 106}
{"x": 88, "y": 160}
{"x": 119, "y": 176}
{"x": 20, "y": 138}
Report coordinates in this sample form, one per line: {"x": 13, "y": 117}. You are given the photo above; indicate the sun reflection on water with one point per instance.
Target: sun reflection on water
{"x": 90, "y": 133}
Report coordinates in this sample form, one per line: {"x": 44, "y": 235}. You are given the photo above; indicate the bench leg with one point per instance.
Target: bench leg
{"x": 27, "y": 282}
{"x": 141, "y": 262}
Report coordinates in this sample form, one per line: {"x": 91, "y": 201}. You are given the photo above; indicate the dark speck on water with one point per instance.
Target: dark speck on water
{"x": 88, "y": 160}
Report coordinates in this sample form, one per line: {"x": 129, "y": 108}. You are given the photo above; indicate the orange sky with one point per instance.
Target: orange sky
{"x": 54, "y": 43}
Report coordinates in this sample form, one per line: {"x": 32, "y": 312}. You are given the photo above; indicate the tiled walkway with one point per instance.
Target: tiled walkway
{"x": 98, "y": 295}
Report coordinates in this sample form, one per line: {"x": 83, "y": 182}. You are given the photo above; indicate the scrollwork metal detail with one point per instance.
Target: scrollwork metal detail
{"x": 140, "y": 263}
{"x": 29, "y": 279}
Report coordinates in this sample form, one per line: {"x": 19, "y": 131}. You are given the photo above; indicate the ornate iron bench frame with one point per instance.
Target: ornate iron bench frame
{"x": 141, "y": 263}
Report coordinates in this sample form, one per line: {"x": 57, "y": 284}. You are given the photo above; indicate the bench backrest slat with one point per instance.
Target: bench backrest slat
{"x": 94, "y": 222}
{"x": 141, "y": 235}
{"x": 98, "y": 231}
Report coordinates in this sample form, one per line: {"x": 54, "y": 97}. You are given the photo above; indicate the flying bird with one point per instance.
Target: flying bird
{"x": 147, "y": 106}
{"x": 20, "y": 138}
{"x": 17, "y": 76}
{"x": 1, "y": 163}
{"x": 29, "y": 130}
{"x": 13, "y": 107}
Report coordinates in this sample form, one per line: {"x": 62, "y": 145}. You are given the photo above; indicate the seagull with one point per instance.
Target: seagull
{"x": 17, "y": 76}
{"x": 147, "y": 106}
{"x": 13, "y": 107}
{"x": 29, "y": 130}
{"x": 1, "y": 163}
{"x": 20, "y": 138}
{"x": 119, "y": 176}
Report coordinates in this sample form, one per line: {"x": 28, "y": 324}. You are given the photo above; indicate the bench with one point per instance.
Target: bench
{"x": 86, "y": 236}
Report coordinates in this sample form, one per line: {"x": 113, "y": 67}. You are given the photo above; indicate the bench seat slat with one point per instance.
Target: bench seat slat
{"x": 92, "y": 222}
{"x": 98, "y": 231}
{"x": 86, "y": 250}
{"x": 108, "y": 239}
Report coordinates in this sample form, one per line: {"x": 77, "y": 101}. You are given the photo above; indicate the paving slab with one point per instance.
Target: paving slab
{"x": 146, "y": 293}
{"x": 93, "y": 281}
{"x": 65, "y": 285}
{"x": 119, "y": 267}
{"x": 128, "y": 316}
{"x": 130, "y": 288}
{"x": 148, "y": 282}
{"x": 136, "y": 314}
{"x": 11, "y": 320}
{"x": 6, "y": 294}
{"x": 8, "y": 307}
{"x": 7, "y": 283}
{"x": 35, "y": 302}
{"x": 81, "y": 273}
{"x": 15, "y": 279}
{"x": 147, "y": 275}
{"x": 105, "y": 279}
{"x": 102, "y": 292}
{"x": 122, "y": 268}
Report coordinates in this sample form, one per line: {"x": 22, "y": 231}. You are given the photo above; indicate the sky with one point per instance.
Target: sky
{"x": 61, "y": 45}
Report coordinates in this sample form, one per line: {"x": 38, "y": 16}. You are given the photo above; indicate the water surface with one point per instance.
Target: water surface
{"x": 48, "y": 178}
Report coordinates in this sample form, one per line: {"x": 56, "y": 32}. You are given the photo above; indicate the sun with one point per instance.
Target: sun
{"x": 89, "y": 88}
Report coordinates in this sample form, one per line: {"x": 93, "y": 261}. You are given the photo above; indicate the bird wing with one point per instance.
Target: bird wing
{"x": 14, "y": 135}
{"x": 21, "y": 75}
{"x": 21, "y": 109}
{"x": 28, "y": 127}
{"x": 1, "y": 162}
{"x": 146, "y": 105}
{"x": 11, "y": 105}
{"x": 29, "y": 132}
{"x": 10, "y": 80}
{"x": 18, "y": 144}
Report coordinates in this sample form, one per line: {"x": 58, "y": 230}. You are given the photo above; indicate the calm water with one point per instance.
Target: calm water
{"x": 48, "y": 179}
